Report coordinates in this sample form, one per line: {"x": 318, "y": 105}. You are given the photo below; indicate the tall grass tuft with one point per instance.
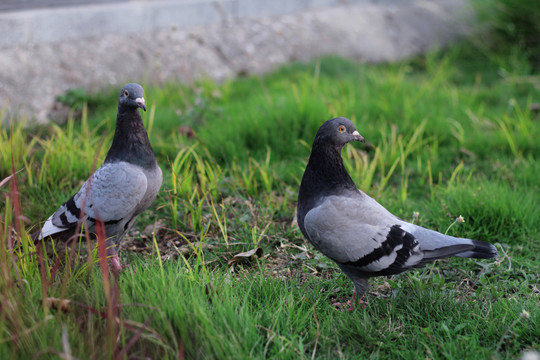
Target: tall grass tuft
{"x": 511, "y": 23}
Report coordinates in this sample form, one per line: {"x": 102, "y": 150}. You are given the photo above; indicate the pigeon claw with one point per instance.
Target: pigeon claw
{"x": 350, "y": 304}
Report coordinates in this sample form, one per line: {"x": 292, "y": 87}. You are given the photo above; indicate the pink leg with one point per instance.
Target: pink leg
{"x": 355, "y": 298}
{"x": 115, "y": 264}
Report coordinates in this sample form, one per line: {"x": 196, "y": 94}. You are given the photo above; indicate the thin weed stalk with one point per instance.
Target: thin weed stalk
{"x": 221, "y": 221}
{"x": 109, "y": 297}
{"x": 156, "y": 247}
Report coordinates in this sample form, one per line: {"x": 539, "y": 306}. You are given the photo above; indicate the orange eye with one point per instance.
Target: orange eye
{"x": 341, "y": 128}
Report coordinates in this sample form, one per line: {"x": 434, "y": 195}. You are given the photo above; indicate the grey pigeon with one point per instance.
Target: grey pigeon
{"x": 355, "y": 231}
{"x": 122, "y": 188}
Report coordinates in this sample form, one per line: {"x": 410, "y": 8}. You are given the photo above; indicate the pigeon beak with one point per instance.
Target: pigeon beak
{"x": 140, "y": 102}
{"x": 357, "y": 136}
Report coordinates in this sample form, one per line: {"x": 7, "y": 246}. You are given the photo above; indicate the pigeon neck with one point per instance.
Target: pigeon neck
{"x": 326, "y": 173}
{"x": 130, "y": 142}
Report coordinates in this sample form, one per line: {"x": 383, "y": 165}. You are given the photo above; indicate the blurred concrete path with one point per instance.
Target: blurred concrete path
{"x": 18, "y": 5}
{"x": 46, "y": 51}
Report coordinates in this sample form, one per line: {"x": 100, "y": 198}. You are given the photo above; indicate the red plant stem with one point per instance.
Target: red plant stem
{"x": 102, "y": 252}
{"x": 15, "y": 195}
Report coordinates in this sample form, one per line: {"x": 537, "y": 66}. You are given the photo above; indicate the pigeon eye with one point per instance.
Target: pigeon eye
{"x": 126, "y": 93}
{"x": 341, "y": 128}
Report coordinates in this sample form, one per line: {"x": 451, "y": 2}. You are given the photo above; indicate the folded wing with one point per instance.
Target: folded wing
{"x": 341, "y": 229}
{"x": 112, "y": 194}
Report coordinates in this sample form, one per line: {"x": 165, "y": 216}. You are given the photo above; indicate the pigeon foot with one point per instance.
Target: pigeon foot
{"x": 115, "y": 264}
{"x": 350, "y": 304}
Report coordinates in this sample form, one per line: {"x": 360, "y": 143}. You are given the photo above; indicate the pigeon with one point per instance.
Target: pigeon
{"x": 122, "y": 188}
{"x": 355, "y": 231}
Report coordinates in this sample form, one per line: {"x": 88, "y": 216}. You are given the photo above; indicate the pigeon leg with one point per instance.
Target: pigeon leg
{"x": 112, "y": 252}
{"x": 115, "y": 264}
{"x": 352, "y": 302}
{"x": 360, "y": 287}
{"x": 357, "y": 298}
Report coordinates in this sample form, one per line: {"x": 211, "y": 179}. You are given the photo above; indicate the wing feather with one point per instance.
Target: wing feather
{"x": 111, "y": 195}
{"x": 342, "y": 229}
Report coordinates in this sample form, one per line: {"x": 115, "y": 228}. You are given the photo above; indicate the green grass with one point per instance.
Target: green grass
{"x": 449, "y": 134}
{"x": 509, "y": 25}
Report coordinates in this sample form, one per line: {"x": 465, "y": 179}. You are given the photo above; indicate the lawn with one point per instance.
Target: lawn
{"x": 448, "y": 133}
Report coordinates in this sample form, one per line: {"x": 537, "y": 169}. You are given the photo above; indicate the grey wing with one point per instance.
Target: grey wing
{"x": 433, "y": 244}
{"x": 111, "y": 194}
{"x": 355, "y": 232}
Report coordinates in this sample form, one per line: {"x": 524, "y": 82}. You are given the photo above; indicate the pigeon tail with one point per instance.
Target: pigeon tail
{"x": 48, "y": 229}
{"x": 438, "y": 246}
{"x": 482, "y": 250}
{"x": 445, "y": 252}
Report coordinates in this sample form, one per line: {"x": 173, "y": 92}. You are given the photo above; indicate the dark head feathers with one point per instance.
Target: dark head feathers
{"x": 325, "y": 173}
{"x": 337, "y": 132}
{"x": 130, "y": 142}
{"x": 131, "y": 97}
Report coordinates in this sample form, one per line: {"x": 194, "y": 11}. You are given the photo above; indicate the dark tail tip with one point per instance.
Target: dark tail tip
{"x": 482, "y": 250}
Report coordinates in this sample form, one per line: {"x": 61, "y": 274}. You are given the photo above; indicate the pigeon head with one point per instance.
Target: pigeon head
{"x": 337, "y": 132}
{"x": 131, "y": 97}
